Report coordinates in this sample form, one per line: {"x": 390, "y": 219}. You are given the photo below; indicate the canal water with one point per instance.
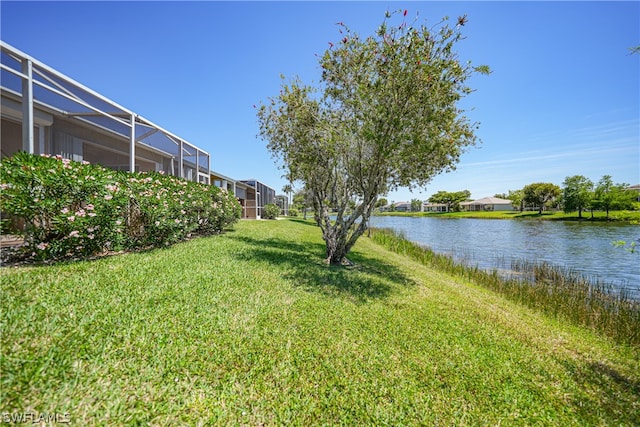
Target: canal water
{"x": 492, "y": 244}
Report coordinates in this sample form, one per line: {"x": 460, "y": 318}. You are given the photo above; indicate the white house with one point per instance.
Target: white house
{"x": 488, "y": 204}
{"x": 434, "y": 207}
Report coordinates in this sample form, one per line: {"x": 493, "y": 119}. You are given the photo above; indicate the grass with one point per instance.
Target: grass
{"x": 618, "y": 216}
{"x": 556, "y": 290}
{"x": 251, "y": 328}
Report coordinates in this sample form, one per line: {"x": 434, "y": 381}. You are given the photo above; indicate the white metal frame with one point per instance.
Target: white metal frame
{"x": 33, "y": 72}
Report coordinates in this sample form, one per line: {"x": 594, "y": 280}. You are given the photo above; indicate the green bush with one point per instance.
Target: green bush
{"x": 78, "y": 209}
{"x": 293, "y": 212}
{"x": 270, "y": 211}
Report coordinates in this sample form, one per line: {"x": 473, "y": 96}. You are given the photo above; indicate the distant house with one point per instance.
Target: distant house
{"x": 402, "y": 206}
{"x": 635, "y": 188}
{"x": 283, "y": 203}
{"x": 434, "y": 207}
{"x": 262, "y": 195}
{"x": 488, "y": 204}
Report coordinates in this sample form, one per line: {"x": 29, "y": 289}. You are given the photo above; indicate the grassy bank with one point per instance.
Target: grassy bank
{"x": 556, "y": 290}
{"x": 251, "y": 327}
{"x": 618, "y": 216}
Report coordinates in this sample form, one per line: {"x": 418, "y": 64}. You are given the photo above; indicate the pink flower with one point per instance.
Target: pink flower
{"x": 90, "y": 236}
{"x": 118, "y": 222}
{"x": 74, "y": 233}
{"x": 92, "y": 214}
{"x": 90, "y": 207}
{"x": 71, "y": 218}
{"x": 108, "y": 197}
{"x": 42, "y": 246}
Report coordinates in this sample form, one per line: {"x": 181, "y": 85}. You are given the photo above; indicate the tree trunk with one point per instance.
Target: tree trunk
{"x": 339, "y": 241}
{"x": 336, "y": 252}
{"x": 580, "y": 213}
{"x": 341, "y": 235}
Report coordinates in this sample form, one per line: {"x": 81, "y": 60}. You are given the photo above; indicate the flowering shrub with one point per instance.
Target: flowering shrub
{"x": 77, "y": 209}
{"x": 64, "y": 205}
{"x": 271, "y": 211}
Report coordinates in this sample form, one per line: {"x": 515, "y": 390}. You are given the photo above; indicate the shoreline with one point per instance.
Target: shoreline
{"x": 629, "y": 217}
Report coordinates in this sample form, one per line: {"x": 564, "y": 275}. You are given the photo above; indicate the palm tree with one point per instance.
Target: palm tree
{"x": 288, "y": 189}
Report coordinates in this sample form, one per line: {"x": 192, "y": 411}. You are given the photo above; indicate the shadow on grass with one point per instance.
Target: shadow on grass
{"x": 304, "y": 265}
{"x": 612, "y": 391}
{"x": 303, "y": 221}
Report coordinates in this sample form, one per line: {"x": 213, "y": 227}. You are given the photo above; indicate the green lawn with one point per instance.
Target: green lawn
{"x": 251, "y": 328}
{"x": 620, "y": 216}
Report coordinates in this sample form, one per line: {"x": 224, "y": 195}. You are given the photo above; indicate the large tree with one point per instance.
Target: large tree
{"x": 577, "y": 193}
{"x": 540, "y": 194}
{"x": 384, "y": 115}
{"x": 451, "y": 199}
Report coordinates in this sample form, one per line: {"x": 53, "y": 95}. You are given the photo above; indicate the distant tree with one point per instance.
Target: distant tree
{"x": 385, "y": 114}
{"x": 288, "y": 189}
{"x": 577, "y": 194}
{"x": 541, "y": 194}
{"x": 609, "y": 196}
{"x": 502, "y": 196}
{"x": 302, "y": 201}
{"x": 451, "y": 199}
{"x": 382, "y": 202}
{"x": 517, "y": 199}
{"x": 416, "y": 205}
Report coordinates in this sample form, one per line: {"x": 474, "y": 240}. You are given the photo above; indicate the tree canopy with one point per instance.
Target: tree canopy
{"x": 451, "y": 199}
{"x": 540, "y": 194}
{"x": 609, "y": 195}
{"x": 577, "y": 193}
{"x": 384, "y": 115}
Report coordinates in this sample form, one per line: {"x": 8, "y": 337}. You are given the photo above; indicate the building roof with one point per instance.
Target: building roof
{"x": 488, "y": 201}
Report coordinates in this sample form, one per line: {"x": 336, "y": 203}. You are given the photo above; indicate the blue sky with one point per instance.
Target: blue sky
{"x": 563, "y": 98}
